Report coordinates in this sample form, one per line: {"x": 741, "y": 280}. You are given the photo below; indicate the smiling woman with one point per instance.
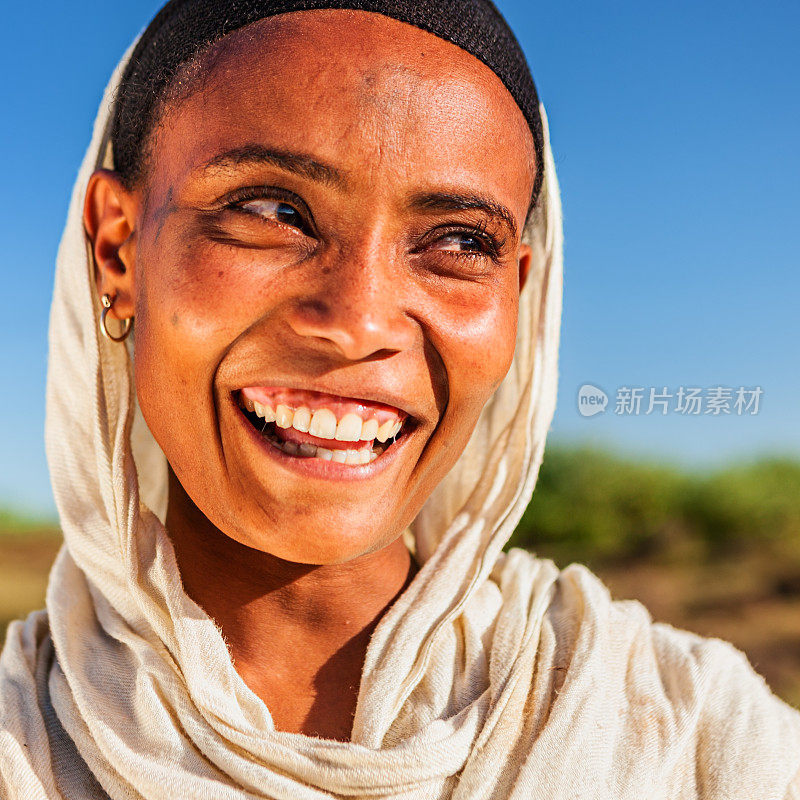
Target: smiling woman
{"x": 317, "y": 238}
{"x": 303, "y": 362}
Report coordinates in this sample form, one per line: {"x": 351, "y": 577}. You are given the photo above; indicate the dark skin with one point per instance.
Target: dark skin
{"x": 332, "y": 250}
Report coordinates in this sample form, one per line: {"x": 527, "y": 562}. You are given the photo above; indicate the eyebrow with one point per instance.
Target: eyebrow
{"x": 296, "y": 163}
{"x": 308, "y": 167}
{"x": 447, "y": 201}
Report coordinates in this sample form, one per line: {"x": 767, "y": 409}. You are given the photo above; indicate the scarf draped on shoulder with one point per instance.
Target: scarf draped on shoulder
{"x": 495, "y": 675}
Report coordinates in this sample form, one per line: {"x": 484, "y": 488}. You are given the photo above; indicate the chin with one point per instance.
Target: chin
{"x": 317, "y": 536}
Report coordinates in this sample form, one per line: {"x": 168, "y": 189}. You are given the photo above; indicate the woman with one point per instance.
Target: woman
{"x": 285, "y": 488}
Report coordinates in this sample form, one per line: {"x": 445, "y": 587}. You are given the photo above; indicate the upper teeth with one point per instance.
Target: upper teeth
{"x": 323, "y": 424}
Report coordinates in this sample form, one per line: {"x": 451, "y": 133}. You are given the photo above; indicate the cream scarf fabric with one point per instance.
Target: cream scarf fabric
{"x": 493, "y": 676}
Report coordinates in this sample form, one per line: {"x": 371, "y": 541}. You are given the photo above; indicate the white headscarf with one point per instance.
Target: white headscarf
{"x": 493, "y": 676}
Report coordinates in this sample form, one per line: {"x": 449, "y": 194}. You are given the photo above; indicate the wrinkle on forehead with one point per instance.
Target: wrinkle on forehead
{"x": 386, "y": 85}
{"x": 397, "y": 82}
{"x": 385, "y": 42}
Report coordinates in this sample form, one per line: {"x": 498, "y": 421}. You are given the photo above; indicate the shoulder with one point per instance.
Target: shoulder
{"x": 38, "y": 759}
{"x": 23, "y": 758}
{"x": 739, "y": 720}
{"x": 737, "y": 736}
{"x": 664, "y": 701}
{"x": 26, "y": 645}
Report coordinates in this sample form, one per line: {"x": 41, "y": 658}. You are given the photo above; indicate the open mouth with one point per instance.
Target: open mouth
{"x": 304, "y": 424}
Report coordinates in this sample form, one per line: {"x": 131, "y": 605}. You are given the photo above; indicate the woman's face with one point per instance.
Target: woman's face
{"x": 329, "y": 226}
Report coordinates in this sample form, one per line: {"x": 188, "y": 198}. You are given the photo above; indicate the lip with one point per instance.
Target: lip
{"x": 316, "y": 467}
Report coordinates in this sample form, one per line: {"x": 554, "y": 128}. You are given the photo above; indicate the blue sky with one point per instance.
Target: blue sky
{"x": 675, "y": 133}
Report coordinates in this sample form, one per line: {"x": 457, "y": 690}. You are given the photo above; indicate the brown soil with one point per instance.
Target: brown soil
{"x": 25, "y": 561}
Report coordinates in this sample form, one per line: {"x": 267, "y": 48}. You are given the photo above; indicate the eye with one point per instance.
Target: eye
{"x": 463, "y": 242}
{"x": 469, "y": 244}
{"x": 278, "y": 210}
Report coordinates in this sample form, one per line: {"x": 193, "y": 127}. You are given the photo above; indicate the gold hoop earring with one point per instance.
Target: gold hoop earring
{"x": 107, "y": 303}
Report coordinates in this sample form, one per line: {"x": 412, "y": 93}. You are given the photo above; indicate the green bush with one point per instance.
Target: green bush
{"x": 748, "y": 505}
{"x": 596, "y": 507}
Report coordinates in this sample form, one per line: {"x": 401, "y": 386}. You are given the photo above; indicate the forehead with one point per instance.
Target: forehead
{"x": 369, "y": 93}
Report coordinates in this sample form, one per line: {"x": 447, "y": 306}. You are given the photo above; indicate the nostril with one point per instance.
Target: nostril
{"x": 380, "y": 355}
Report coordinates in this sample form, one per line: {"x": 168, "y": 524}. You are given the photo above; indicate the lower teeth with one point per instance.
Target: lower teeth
{"x": 366, "y": 455}
{"x": 353, "y": 457}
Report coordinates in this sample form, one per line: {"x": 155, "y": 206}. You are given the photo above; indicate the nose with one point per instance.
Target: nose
{"x": 356, "y": 305}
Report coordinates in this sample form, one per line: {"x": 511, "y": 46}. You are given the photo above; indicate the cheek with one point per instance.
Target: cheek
{"x": 194, "y": 294}
{"x": 199, "y": 296}
{"x": 474, "y": 333}
{"x": 480, "y": 339}
{"x": 193, "y": 301}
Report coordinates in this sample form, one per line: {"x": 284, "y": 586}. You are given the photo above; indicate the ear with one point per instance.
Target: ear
{"x": 525, "y": 259}
{"x": 109, "y": 218}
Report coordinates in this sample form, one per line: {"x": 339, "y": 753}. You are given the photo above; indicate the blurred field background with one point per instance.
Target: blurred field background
{"x": 715, "y": 551}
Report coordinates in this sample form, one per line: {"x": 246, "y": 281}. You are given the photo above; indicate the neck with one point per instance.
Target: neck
{"x": 297, "y": 633}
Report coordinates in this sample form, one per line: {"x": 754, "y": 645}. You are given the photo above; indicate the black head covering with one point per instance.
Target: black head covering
{"x": 184, "y": 28}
